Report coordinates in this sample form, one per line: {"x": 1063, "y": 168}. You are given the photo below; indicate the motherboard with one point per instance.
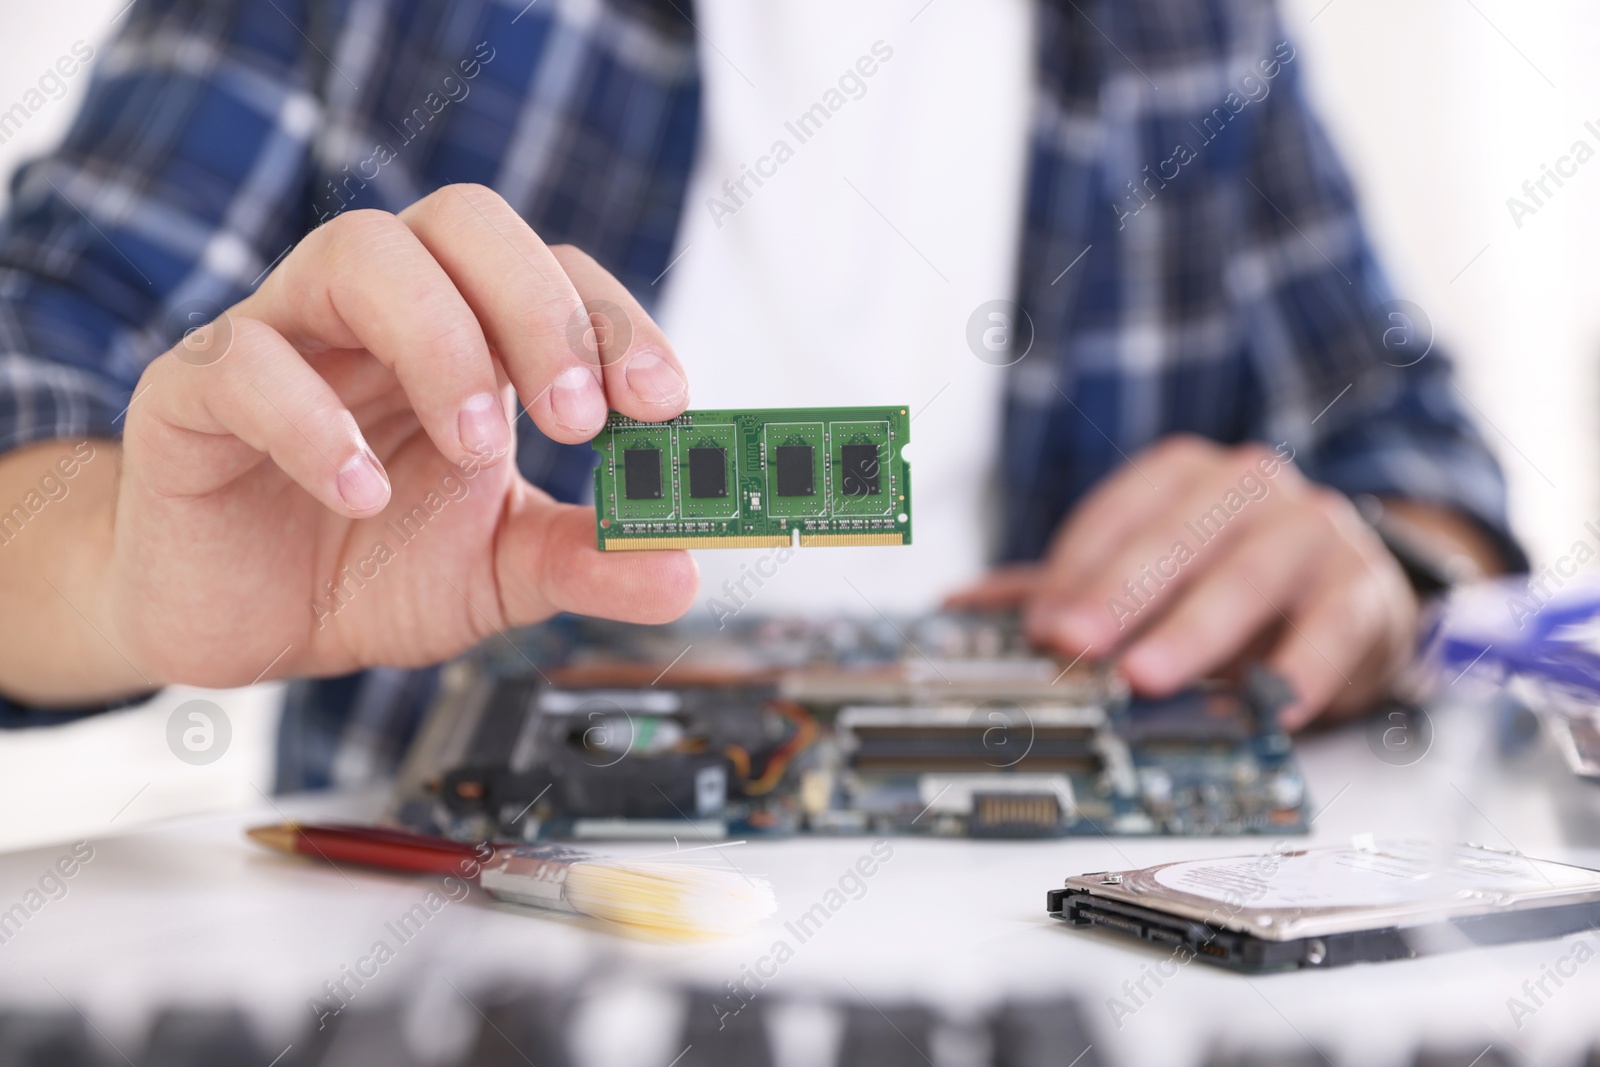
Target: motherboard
{"x": 945, "y": 724}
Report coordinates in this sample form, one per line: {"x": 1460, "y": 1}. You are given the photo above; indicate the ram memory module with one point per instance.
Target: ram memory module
{"x": 754, "y": 479}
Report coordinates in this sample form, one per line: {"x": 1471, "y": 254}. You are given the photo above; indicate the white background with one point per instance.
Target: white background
{"x": 1442, "y": 108}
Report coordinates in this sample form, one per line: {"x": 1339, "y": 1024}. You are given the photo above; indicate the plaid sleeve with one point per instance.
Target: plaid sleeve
{"x": 176, "y": 185}
{"x": 1349, "y": 373}
{"x": 180, "y": 180}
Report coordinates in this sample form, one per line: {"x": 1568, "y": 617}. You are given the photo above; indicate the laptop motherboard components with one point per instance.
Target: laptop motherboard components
{"x": 944, "y": 725}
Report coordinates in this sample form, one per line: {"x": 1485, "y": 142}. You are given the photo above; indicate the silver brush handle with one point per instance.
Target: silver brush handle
{"x": 535, "y": 875}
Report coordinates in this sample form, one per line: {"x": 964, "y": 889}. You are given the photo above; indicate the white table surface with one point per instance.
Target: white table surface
{"x": 191, "y": 912}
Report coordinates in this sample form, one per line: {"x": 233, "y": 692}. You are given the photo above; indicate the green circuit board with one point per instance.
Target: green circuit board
{"x": 754, "y": 479}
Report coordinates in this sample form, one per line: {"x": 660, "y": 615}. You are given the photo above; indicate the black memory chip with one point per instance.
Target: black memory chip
{"x": 860, "y": 463}
{"x": 795, "y": 476}
{"x": 641, "y": 473}
{"x": 708, "y": 472}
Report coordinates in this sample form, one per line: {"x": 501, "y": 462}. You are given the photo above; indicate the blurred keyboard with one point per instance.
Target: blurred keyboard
{"x": 518, "y": 1027}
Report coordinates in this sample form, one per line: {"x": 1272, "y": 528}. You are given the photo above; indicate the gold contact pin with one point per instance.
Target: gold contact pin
{"x": 850, "y": 540}
{"x": 648, "y": 544}
{"x": 855, "y": 540}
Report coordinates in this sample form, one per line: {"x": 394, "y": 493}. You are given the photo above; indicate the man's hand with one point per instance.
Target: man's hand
{"x": 1196, "y": 555}
{"x": 339, "y": 488}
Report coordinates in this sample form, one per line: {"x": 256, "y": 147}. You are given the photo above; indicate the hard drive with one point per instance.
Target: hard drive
{"x": 1325, "y": 907}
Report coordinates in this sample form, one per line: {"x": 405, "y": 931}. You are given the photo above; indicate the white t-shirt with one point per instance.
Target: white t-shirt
{"x": 833, "y": 256}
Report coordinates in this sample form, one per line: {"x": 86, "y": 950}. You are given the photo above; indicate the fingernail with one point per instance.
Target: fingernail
{"x": 362, "y": 485}
{"x": 482, "y": 426}
{"x": 653, "y": 380}
{"x": 576, "y": 400}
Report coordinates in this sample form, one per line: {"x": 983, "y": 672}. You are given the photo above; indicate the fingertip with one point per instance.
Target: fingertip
{"x": 1311, "y": 687}
{"x": 655, "y": 385}
{"x": 363, "y": 484}
{"x": 1155, "y": 669}
{"x": 1295, "y": 716}
{"x": 573, "y": 409}
{"x": 1308, "y": 692}
{"x": 681, "y": 585}
{"x": 1074, "y": 627}
{"x": 669, "y": 580}
{"x": 482, "y": 427}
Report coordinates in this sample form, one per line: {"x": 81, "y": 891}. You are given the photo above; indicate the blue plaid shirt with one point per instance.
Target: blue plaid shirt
{"x": 1221, "y": 281}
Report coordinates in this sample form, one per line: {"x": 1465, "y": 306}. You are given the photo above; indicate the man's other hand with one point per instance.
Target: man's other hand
{"x": 1195, "y": 555}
